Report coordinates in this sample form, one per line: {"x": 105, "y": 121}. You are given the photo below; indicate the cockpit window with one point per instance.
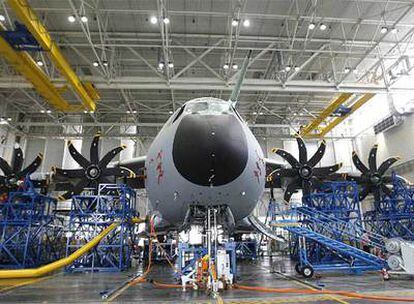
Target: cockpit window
{"x": 208, "y": 107}
{"x": 179, "y": 113}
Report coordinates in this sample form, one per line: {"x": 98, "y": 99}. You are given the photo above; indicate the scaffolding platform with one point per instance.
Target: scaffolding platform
{"x": 30, "y": 233}
{"x": 90, "y": 215}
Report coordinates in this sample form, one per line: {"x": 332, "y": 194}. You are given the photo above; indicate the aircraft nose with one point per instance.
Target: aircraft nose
{"x": 210, "y": 150}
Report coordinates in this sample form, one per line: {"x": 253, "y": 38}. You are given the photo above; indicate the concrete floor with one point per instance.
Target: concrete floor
{"x": 278, "y": 273}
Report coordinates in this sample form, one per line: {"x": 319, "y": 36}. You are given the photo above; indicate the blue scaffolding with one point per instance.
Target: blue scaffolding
{"x": 90, "y": 215}
{"x": 29, "y": 231}
{"x": 393, "y": 216}
{"x": 327, "y": 233}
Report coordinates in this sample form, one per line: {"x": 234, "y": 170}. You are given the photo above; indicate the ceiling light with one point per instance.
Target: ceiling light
{"x": 42, "y": 111}
{"x": 170, "y": 112}
{"x": 311, "y": 26}
{"x": 246, "y": 23}
{"x": 161, "y": 65}
{"x": 235, "y": 66}
{"x": 300, "y": 114}
{"x": 287, "y": 68}
{"x": 39, "y": 63}
{"x": 105, "y": 63}
{"x": 9, "y": 119}
{"x": 254, "y": 113}
{"x": 166, "y": 20}
{"x": 296, "y": 68}
{"x": 90, "y": 112}
{"x": 86, "y": 112}
{"x": 95, "y": 63}
{"x": 322, "y": 26}
{"x": 84, "y": 19}
{"x": 71, "y": 18}
{"x": 134, "y": 112}
{"x": 226, "y": 66}
{"x": 128, "y": 111}
{"x": 154, "y": 20}
{"x": 347, "y": 69}
{"x": 384, "y": 29}
{"x": 235, "y": 22}
{"x": 394, "y": 31}
{"x": 170, "y": 64}
{"x": 261, "y": 113}
{"x": 2, "y": 18}
{"x": 48, "y": 111}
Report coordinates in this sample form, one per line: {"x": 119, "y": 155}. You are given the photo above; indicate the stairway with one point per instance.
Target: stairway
{"x": 337, "y": 246}
{"x": 348, "y": 229}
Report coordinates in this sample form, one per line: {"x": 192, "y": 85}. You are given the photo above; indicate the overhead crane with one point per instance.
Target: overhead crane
{"x": 23, "y": 63}
{"x": 322, "y": 124}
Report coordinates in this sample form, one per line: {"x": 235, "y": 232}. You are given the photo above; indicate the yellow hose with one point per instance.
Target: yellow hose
{"x": 42, "y": 270}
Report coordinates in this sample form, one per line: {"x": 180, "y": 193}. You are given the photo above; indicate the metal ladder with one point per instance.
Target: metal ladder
{"x": 352, "y": 231}
{"x": 337, "y": 246}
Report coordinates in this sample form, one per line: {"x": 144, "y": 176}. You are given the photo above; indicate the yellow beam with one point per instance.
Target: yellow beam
{"x": 359, "y": 103}
{"x": 306, "y": 131}
{"x": 26, "y": 66}
{"x": 35, "y": 26}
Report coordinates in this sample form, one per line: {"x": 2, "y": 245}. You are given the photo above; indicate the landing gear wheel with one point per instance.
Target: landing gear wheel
{"x": 298, "y": 269}
{"x": 307, "y": 272}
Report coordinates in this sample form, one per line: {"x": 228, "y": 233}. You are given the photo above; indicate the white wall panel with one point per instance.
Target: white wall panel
{"x": 53, "y": 157}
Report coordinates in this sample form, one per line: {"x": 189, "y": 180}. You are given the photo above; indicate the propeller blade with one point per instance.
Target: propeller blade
{"x": 79, "y": 158}
{"x": 4, "y": 166}
{"x": 287, "y": 156}
{"x": 316, "y": 158}
{"x": 364, "y": 192}
{"x": 372, "y": 161}
{"x": 377, "y": 194}
{"x": 359, "y": 164}
{"x": 17, "y": 161}
{"x": 32, "y": 167}
{"x": 303, "y": 153}
{"x": 307, "y": 187}
{"x": 387, "y": 164}
{"x": 387, "y": 179}
{"x": 109, "y": 156}
{"x": 94, "y": 152}
{"x": 284, "y": 173}
{"x": 78, "y": 188}
{"x": 118, "y": 171}
{"x": 290, "y": 189}
{"x": 325, "y": 171}
{"x": 386, "y": 190}
{"x": 316, "y": 183}
{"x": 69, "y": 173}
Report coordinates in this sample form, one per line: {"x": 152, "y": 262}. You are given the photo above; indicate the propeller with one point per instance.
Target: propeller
{"x": 14, "y": 172}
{"x": 92, "y": 172}
{"x": 303, "y": 174}
{"x": 373, "y": 179}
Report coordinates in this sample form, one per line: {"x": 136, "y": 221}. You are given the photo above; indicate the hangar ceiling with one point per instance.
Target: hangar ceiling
{"x": 304, "y": 52}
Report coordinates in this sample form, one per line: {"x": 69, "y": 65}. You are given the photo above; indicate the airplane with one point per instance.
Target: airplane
{"x": 205, "y": 156}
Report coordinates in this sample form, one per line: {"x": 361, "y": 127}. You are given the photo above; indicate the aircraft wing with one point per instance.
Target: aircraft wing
{"x": 137, "y": 165}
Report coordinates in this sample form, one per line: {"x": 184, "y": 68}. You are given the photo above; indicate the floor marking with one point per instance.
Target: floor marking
{"x": 309, "y": 286}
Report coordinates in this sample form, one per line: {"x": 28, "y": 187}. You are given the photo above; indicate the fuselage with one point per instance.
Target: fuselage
{"x": 205, "y": 155}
